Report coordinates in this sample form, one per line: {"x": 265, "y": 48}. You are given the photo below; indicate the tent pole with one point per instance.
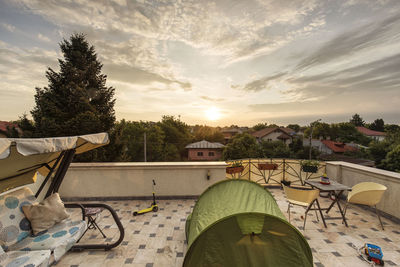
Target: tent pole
{"x": 49, "y": 174}
{"x": 58, "y": 177}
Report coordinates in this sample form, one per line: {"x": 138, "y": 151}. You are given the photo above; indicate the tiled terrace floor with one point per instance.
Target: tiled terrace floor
{"x": 158, "y": 239}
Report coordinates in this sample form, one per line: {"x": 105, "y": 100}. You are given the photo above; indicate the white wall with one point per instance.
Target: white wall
{"x": 135, "y": 179}
{"x": 351, "y": 174}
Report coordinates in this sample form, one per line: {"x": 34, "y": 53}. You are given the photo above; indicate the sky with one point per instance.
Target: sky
{"x": 215, "y": 62}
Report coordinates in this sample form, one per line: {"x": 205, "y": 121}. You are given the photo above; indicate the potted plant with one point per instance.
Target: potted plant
{"x": 235, "y": 168}
{"x": 309, "y": 165}
{"x": 267, "y": 166}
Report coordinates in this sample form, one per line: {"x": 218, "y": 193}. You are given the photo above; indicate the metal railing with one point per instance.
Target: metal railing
{"x": 274, "y": 171}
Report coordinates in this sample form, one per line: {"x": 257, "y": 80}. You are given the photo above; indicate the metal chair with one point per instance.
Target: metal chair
{"x": 303, "y": 197}
{"x": 366, "y": 193}
{"x": 91, "y": 214}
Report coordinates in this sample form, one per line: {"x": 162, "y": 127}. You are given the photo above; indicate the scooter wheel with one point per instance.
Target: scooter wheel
{"x": 135, "y": 213}
{"x": 155, "y": 209}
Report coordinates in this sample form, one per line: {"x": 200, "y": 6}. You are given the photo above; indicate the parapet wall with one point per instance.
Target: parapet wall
{"x": 351, "y": 174}
{"x": 134, "y": 180}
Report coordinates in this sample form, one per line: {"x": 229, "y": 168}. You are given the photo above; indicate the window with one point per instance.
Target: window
{"x": 211, "y": 154}
{"x": 200, "y": 154}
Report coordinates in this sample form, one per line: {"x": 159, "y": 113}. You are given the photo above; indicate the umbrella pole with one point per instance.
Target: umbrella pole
{"x": 49, "y": 174}
{"x": 62, "y": 170}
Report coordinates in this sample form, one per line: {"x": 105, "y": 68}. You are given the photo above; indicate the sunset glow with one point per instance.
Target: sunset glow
{"x": 213, "y": 114}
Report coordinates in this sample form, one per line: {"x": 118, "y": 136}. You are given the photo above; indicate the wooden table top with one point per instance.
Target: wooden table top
{"x": 334, "y": 186}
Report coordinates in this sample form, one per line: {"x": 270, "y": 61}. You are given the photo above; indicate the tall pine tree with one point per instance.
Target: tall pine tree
{"x": 76, "y": 100}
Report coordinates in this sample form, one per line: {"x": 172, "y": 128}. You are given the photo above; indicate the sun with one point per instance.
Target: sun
{"x": 213, "y": 113}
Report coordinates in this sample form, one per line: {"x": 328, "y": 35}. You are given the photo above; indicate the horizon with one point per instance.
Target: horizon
{"x": 215, "y": 62}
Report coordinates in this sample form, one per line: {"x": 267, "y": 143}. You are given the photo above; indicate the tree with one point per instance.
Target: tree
{"x": 356, "y": 120}
{"x": 207, "y": 133}
{"x": 260, "y": 126}
{"x": 294, "y": 127}
{"x": 76, "y": 100}
{"x": 275, "y": 149}
{"x": 27, "y": 126}
{"x": 242, "y": 146}
{"x": 392, "y": 160}
{"x": 177, "y": 136}
{"x": 378, "y": 125}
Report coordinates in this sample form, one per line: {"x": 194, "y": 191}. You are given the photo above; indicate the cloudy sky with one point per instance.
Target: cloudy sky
{"x": 215, "y": 62}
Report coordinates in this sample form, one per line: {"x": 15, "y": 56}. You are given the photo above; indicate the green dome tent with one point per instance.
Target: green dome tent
{"x": 238, "y": 223}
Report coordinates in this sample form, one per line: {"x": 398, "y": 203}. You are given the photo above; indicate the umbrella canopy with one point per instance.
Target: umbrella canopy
{"x": 22, "y": 158}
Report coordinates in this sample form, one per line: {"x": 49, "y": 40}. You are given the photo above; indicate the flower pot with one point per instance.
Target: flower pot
{"x": 231, "y": 170}
{"x": 267, "y": 166}
{"x": 307, "y": 168}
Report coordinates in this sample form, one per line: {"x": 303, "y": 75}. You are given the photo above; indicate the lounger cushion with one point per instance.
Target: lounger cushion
{"x": 45, "y": 214}
{"x": 39, "y": 258}
{"x": 14, "y": 226}
{"x": 59, "y": 238}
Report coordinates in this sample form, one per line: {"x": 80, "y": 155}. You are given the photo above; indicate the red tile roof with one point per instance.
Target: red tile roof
{"x": 338, "y": 147}
{"x": 263, "y": 132}
{"x": 5, "y": 124}
{"x": 369, "y": 132}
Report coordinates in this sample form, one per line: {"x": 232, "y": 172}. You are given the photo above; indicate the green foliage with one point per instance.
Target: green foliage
{"x": 294, "y": 127}
{"x": 392, "y": 160}
{"x": 260, "y": 126}
{"x": 236, "y": 164}
{"x": 313, "y": 163}
{"x": 392, "y": 128}
{"x": 76, "y": 100}
{"x": 164, "y": 140}
{"x": 27, "y": 126}
{"x": 274, "y": 149}
{"x": 356, "y": 120}
{"x": 377, "y": 125}
{"x": 207, "y": 133}
{"x": 242, "y": 146}
{"x": 177, "y": 136}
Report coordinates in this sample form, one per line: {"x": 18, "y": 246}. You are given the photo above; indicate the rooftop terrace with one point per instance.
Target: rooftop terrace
{"x": 158, "y": 239}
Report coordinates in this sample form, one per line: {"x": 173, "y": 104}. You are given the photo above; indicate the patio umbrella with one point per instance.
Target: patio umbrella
{"x": 22, "y": 158}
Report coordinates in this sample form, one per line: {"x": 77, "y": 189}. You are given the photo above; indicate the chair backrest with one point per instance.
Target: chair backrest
{"x": 301, "y": 194}
{"x": 15, "y": 226}
{"x": 366, "y": 193}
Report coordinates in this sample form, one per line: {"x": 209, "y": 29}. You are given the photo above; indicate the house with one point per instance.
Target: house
{"x": 229, "y": 133}
{"x": 275, "y": 134}
{"x": 5, "y": 126}
{"x": 329, "y": 146}
{"x": 204, "y": 150}
{"x": 377, "y": 136}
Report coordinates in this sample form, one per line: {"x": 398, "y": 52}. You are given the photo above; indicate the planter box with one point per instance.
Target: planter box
{"x": 307, "y": 168}
{"x": 267, "y": 166}
{"x": 232, "y": 170}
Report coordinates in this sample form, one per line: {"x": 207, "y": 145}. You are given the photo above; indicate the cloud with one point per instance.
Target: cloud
{"x": 260, "y": 84}
{"x": 211, "y": 99}
{"x": 354, "y": 41}
{"x": 236, "y": 30}
{"x": 43, "y": 38}
{"x": 8, "y": 27}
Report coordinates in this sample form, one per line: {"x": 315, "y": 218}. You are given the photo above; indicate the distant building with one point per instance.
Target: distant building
{"x": 229, "y": 133}
{"x": 5, "y": 125}
{"x": 275, "y": 134}
{"x": 329, "y": 147}
{"x": 204, "y": 150}
{"x": 378, "y": 136}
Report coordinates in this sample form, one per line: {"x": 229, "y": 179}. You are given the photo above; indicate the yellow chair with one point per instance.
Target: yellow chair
{"x": 303, "y": 197}
{"x": 366, "y": 193}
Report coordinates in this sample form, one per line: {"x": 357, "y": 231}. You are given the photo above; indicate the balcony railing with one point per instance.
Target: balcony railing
{"x": 274, "y": 171}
